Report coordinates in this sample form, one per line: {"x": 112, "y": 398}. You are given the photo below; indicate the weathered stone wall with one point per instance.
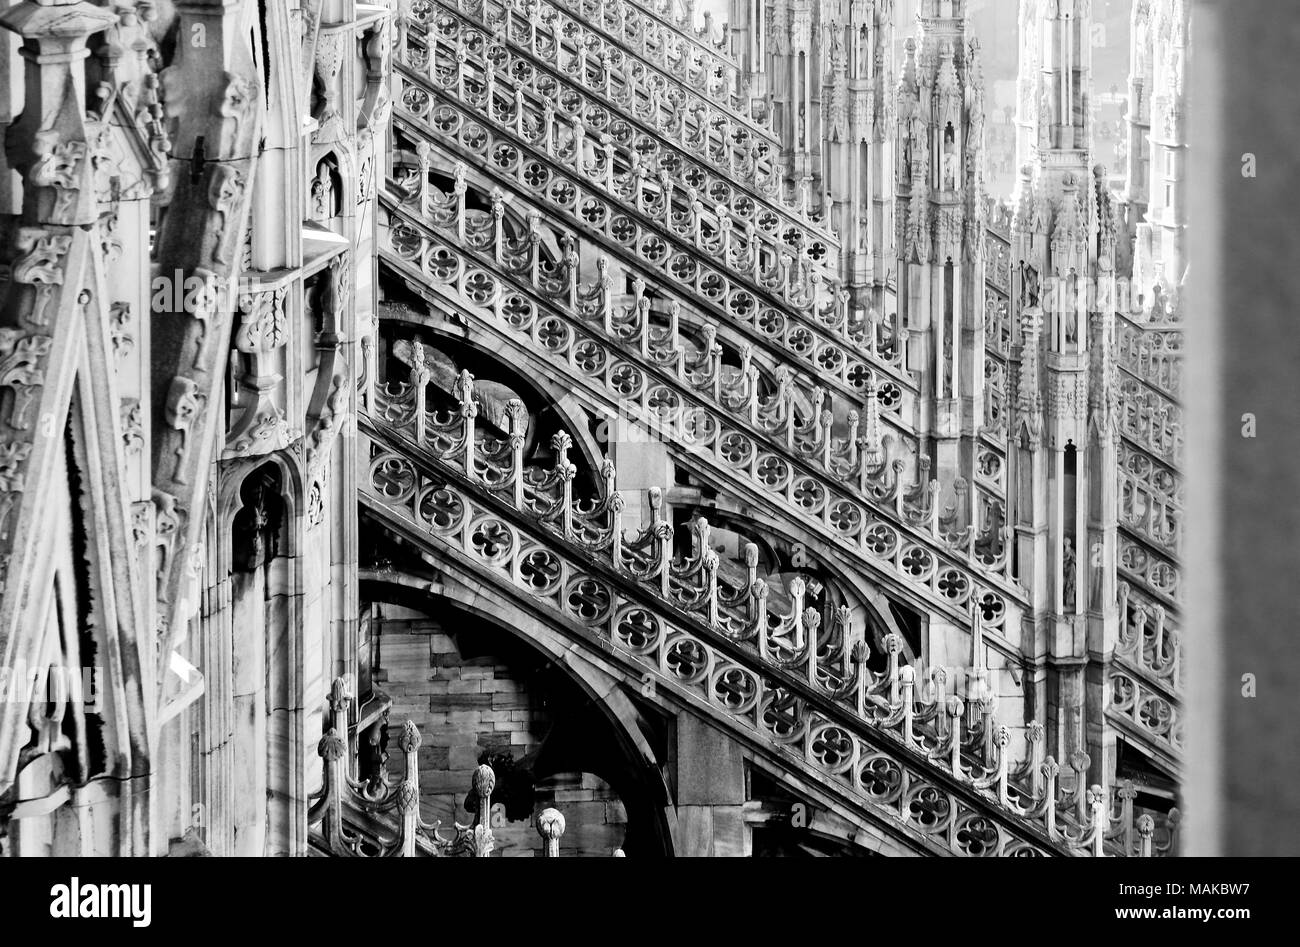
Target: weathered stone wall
{"x": 467, "y": 702}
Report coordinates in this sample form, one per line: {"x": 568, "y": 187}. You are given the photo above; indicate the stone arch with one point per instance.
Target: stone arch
{"x": 237, "y": 647}
{"x": 599, "y": 686}
{"x": 570, "y": 414}
{"x": 854, "y": 588}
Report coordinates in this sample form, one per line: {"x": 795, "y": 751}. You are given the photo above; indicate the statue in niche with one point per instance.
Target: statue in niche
{"x": 949, "y": 158}
{"x": 799, "y": 142}
{"x": 1028, "y": 285}
{"x": 1072, "y": 307}
{"x": 947, "y": 366}
{"x": 1044, "y": 121}
{"x": 1067, "y": 568}
{"x": 323, "y": 192}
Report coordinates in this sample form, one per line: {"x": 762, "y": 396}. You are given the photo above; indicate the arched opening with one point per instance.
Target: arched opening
{"x": 497, "y": 382}
{"x": 489, "y": 689}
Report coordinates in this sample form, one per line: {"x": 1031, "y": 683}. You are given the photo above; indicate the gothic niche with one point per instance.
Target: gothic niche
{"x": 949, "y": 158}
{"x": 1069, "y": 571}
{"x": 326, "y": 189}
{"x": 258, "y": 593}
{"x": 257, "y": 526}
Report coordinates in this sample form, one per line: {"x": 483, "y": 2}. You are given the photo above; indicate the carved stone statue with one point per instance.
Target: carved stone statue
{"x": 1068, "y": 568}
{"x": 1071, "y": 303}
{"x": 949, "y": 159}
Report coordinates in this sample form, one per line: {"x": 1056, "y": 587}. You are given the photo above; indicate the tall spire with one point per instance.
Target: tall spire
{"x": 1054, "y": 82}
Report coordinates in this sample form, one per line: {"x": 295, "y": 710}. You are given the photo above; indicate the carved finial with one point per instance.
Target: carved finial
{"x": 408, "y": 799}
{"x": 484, "y": 781}
{"x": 340, "y": 696}
{"x": 331, "y": 746}
{"x": 550, "y": 824}
{"x": 409, "y": 739}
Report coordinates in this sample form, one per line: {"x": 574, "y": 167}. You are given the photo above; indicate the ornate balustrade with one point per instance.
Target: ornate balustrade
{"x": 827, "y": 346}
{"x": 640, "y": 374}
{"x": 749, "y": 188}
{"x": 1149, "y": 713}
{"x": 791, "y": 346}
{"x": 675, "y": 14}
{"x": 532, "y": 153}
{"x": 354, "y": 818}
{"x": 1151, "y": 421}
{"x": 482, "y": 73}
{"x": 1148, "y": 640}
{"x": 816, "y": 356}
{"x": 937, "y": 769}
{"x": 1153, "y": 357}
{"x": 1146, "y": 680}
{"x": 834, "y": 346}
{"x": 642, "y": 57}
{"x": 1159, "y": 575}
{"x": 1150, "y": 500}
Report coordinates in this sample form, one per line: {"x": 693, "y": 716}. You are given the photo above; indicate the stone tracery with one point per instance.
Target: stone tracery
{"x": 602, "y": 313}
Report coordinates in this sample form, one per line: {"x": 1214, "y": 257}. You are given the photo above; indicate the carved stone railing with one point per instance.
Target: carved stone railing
{"x": 748, "y": 188}
{"x": 1154, "y": 357}
{"x": 1151, "y": 420}
{"x": 1150, "y": 488}
{"x": 1149, "y": 641}
{"x": 552, "y": 162}
{"x": 686, "y": 200}
{"x": 1147, "y": 512}
{"x": 825, "y": 336}
{"x": 547, "y": 29}
{"x": 757, "y": 332}
{"x": 1147, "y": 714}
{"x": 1147, "y": 678}
{"x": 354, "y": 818}
{"x": 622, "y": 360}
{"x": 1158, "y": 574}
{"x": 826, "y": 344}
{"x": 936, "y": 770}
{"x": 677, "y": 15}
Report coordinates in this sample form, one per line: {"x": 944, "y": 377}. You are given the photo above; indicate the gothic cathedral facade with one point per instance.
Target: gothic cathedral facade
{"x": 585, "y": 427}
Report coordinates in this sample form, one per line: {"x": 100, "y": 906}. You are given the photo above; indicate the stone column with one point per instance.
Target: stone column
{"x": 710, "y": 792}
